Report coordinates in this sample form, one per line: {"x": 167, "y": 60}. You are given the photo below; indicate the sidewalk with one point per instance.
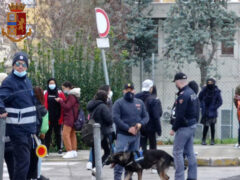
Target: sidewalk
{"x": 217, "y": 155}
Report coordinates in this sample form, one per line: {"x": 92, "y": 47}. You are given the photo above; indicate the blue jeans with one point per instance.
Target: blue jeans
{"x": 183, "y": 142}
{"x": 125, "y": 144}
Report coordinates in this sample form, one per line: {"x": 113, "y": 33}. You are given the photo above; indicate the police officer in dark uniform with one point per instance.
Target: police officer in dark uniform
{"x": 184, "y": 128}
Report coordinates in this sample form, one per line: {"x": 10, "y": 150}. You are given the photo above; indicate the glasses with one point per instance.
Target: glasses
{"x": 18, "y": 64}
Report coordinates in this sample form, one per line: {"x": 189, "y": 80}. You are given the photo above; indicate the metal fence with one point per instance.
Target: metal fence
{"x": 227, "y": 123}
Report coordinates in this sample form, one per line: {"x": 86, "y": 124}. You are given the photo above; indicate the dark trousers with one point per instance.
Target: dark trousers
{"x": 25, "y": 164}
{"x": 205, "y": 131}
{"x": 152, "y": 141}
{"x": 8, "y": 156}
{"x": 57, "y": 134}
{"x": 106, "y": 145}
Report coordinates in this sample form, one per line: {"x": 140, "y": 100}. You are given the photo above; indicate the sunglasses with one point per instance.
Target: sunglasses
{"x": 18, "y": 64}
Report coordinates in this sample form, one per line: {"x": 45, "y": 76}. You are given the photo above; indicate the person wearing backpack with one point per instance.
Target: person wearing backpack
{"x": 154, "y": 109}
{"x": 70, "y": 113}
{"x": 101, "y": 114}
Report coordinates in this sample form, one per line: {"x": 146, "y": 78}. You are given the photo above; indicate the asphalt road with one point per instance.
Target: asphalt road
{"x": 77, "y": 171}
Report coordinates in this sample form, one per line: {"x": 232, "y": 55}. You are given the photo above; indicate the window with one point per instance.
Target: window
{"x": 227, "y": 50}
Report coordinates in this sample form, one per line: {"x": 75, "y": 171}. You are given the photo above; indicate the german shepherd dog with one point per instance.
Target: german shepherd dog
{"x": 151, "y": 158}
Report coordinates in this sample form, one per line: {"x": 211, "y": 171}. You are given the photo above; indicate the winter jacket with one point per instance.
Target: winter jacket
{"x": 127, "y": 114}
{"x": 53, "y": 107}
{"x": 210, "y": 101}
{"x": 70, "y": 107}
{"x": 101, "y": 114}
{"x": 154, "y": 108}
{"x": 41, "y": 112}
{"x": 186, "y": 111}
{"x": 17, "y": 99}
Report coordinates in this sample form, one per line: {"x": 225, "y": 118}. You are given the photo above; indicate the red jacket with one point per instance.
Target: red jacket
{"x": 70, "y": 110}
{"x": 61, "y": 95}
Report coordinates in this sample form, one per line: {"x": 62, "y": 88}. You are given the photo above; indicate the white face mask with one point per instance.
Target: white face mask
{"x": 110, "y": 94}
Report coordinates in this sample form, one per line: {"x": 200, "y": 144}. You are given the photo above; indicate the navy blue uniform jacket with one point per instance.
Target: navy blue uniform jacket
{"x": 17, "y": 98}
{"x": 186, "y": 108}
{"x": 127, "y": 114}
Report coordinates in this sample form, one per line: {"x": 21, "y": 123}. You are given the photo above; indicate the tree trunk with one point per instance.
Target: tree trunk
{"x": 203, "y": 71}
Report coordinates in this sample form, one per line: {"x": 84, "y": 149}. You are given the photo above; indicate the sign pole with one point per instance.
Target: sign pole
{"x": 105, "y": 66}
{"x": 103, "y": 26}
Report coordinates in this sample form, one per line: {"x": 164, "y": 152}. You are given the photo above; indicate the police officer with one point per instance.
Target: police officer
{"x": 184, "y": 128}
{"x": 17, "y": 106}
{"x": 129, "y": 115}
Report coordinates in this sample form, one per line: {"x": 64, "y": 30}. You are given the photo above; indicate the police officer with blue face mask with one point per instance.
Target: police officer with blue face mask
{"x": 17, "y": 106}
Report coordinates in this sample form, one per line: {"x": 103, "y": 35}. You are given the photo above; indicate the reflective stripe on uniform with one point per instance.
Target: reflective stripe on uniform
{"x": 26, "y": 120}
{"x": 22, "y": 111}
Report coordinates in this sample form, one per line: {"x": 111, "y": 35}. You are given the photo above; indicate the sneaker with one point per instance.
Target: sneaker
{"x": 89, "y": 165}
{"x": 237, "y": 145}
{"x": 94, "y": 172}
{"x": 69, "y": 155}
{"x": 75, "y": 153}
{"x": 60, "y": 151}
{"x": 154, "y": 171}
{"x": 43, "y": 178}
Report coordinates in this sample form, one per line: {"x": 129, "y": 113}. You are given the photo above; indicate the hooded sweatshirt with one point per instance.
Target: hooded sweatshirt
{"x": 70, "y": 107}
{"x": 100, "y": 112}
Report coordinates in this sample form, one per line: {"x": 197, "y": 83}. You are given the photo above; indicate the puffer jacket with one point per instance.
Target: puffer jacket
{"x": 154, "y": 109}
{"x": 100, "y": 112}
{"x": 209, "y": 109}
{"x": 70, "y": 107}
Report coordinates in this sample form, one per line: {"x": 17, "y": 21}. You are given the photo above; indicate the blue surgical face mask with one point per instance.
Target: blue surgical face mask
{"x": 52, "y": 86}
{"x": 20, "y": 74}
{"x": 66, "y": 92}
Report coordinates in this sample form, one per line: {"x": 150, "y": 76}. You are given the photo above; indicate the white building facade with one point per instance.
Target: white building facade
{"x": 227, "y": 68}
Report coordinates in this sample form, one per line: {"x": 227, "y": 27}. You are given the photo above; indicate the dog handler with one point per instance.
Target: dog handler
{"x": 129, "y": 114}
{"x": 184, "y": 128}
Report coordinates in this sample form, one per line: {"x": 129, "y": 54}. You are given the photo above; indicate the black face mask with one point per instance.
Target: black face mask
{"x": 210, "y": 86}
{"x": 129, "y": 96}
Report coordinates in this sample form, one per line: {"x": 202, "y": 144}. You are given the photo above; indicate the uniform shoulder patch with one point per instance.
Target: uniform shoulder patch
{"x": 182, "y": 92}
{"x": 180, "y": 101}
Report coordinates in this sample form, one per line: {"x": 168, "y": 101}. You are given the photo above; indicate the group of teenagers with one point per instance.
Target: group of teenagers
{"x": 126, "y": 125}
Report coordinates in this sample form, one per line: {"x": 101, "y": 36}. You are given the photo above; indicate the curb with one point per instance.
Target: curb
{"x": 218, "y": 162}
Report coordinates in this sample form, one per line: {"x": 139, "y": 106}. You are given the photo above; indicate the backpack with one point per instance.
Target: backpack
{"x": 79, "y": 122}
{"x": 87, "y": 131}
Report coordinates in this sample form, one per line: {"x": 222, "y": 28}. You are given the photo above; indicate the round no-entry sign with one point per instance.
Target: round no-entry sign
{"x": 103, "y": 24}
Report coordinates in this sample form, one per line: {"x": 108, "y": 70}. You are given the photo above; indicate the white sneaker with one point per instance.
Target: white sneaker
{"x": 89, "y": 165}
{"x": 153, "y": 171}
{"x": 94, "y": 172}
{"x": 236, "y": 145}
{"x": 75, "y": 153}
{"x": 69, "y": 155}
